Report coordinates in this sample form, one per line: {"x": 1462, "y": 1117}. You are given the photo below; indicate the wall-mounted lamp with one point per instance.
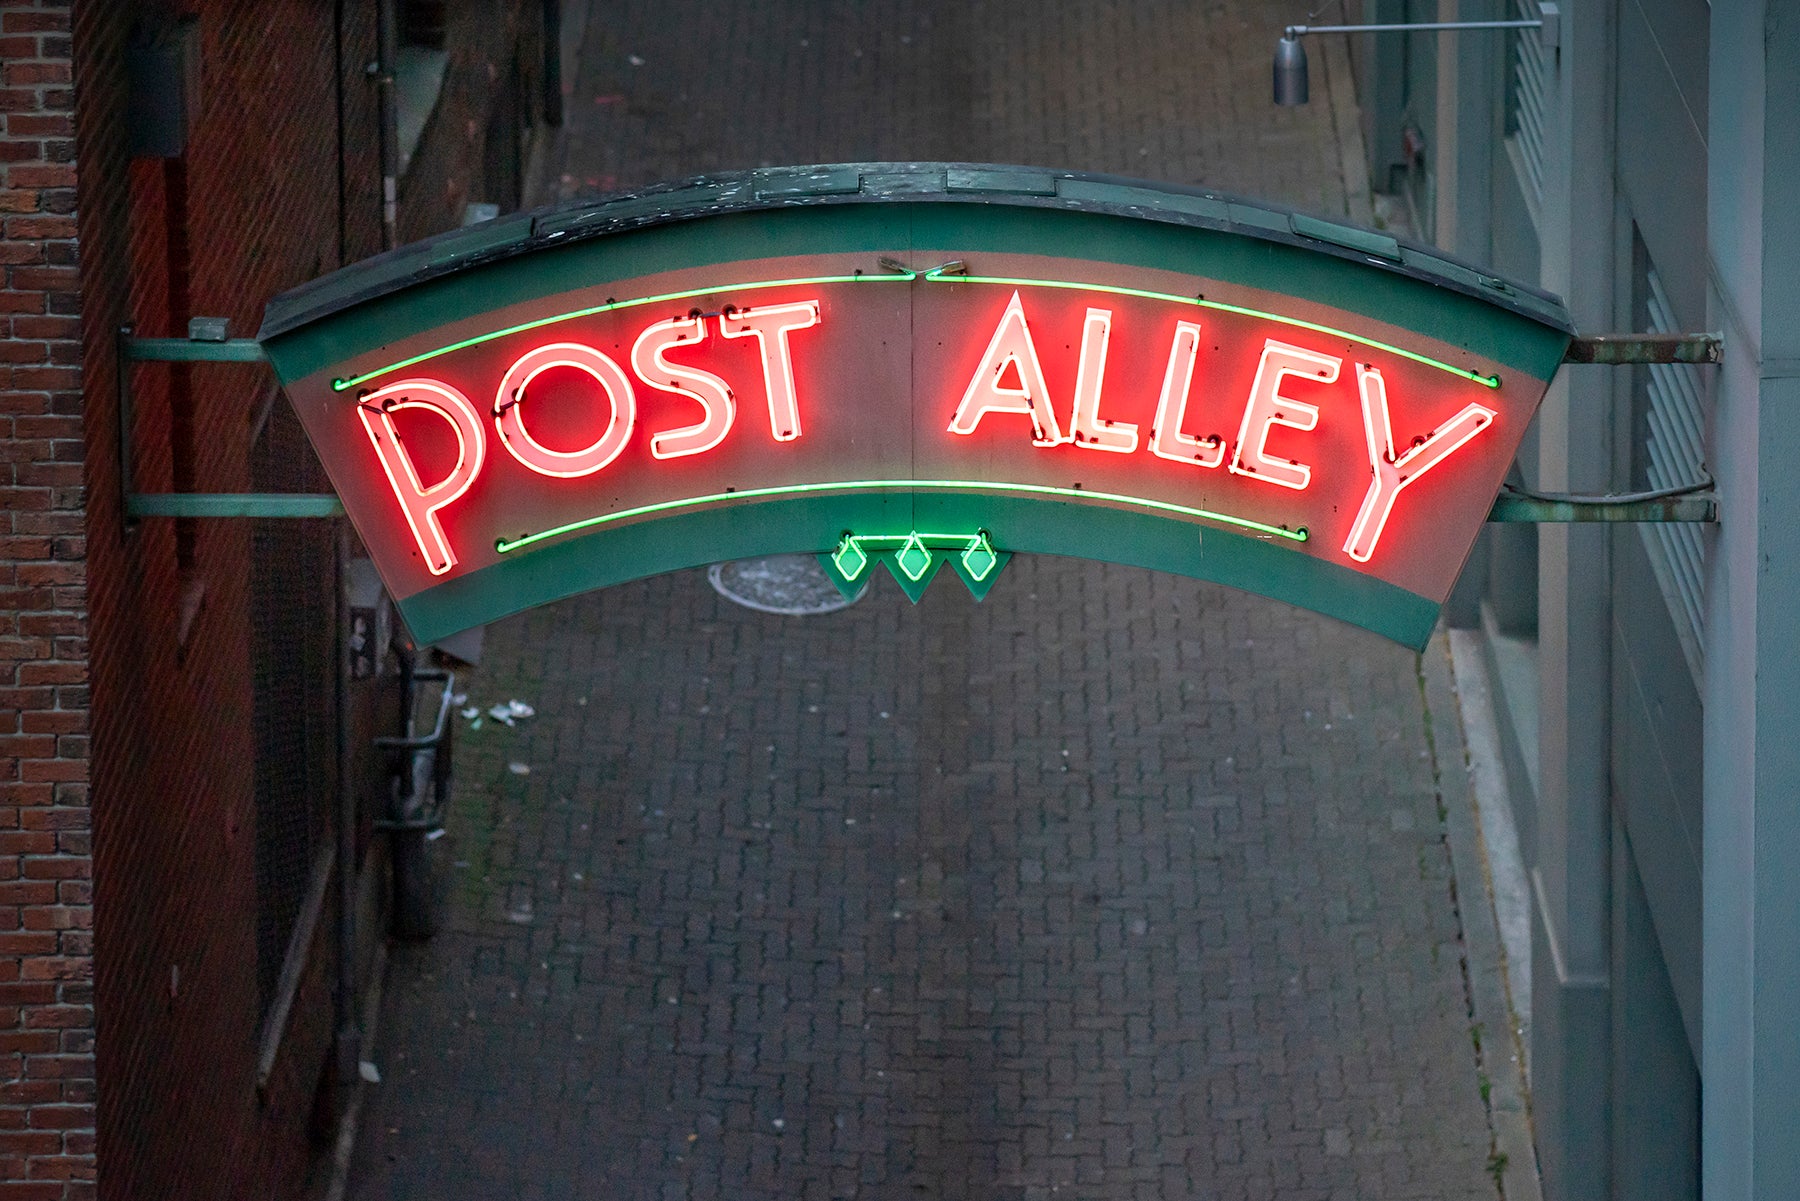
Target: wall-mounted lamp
{"x": 1290, "y": 55}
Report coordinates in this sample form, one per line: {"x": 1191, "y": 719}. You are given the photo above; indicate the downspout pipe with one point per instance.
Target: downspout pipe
{"x": 349, "y": 1034}
{"x": 387, "y": 38}
{"x": 347, "y": 1037}
{"x": 343, "y": 162}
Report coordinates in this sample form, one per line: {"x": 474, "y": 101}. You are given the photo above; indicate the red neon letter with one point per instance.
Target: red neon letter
{"x": 712, "y": 393}
{"x": 1166, "y": 439}
{"x": 621, "y": 410}
{"x": 1090, "y": 429}
{"x": 1269, "y": 407}
{"x": 773, "y": 323}
{"x": 1011, "y": 346}
{"x": 1391, "y": 474}
{"x": 419, "y": 503}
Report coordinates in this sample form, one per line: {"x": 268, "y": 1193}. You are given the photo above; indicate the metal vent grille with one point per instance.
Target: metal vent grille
{"x": 293, "y": 658}
{"x": 1527, "y": 100}
{"x": 1674, "y": 453}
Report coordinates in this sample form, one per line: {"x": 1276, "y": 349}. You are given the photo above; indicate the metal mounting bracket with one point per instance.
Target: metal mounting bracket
{"x": 209, "y": 340}
{"x": 1549, "y": 27}
{"x": 232, "y": 504}
{"x": 1693, "y": 503}
{"x": 1616, "y": 349}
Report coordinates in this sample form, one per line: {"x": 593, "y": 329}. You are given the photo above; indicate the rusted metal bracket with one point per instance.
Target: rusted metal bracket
{"x": 1615, "y": 349}
{"x": 232, "y": 504}
{"x": 209, "y": 340}
{"x": 1696, "y": 503}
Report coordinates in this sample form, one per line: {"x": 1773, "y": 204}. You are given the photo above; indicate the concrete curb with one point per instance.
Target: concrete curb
{"x": 344, "y": 1144}
{"x": 1508, "y": 1099}
{"x": 1508, "y": 880}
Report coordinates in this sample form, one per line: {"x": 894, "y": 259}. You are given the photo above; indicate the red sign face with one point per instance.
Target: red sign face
{"x": 1321, "y": 432}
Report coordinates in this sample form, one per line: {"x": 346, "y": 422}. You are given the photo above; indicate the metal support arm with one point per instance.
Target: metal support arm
{"x": 192, "y": 350}
{"x": 1693, "y": 503}
{"x": 232, "y": 504}
{"x": 1616, "y": 349}
{"x": 1548, "y": 23}
{"x": 207, "y": 343}
{"x": 1290, "y": 58}
{"x": 1297, "y": 31}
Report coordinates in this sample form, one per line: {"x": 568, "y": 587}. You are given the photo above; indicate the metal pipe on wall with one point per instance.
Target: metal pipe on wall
{"x": 387, "y": 37}
{"x": 349, "y": 1034}
{"x": 343, "y": 176}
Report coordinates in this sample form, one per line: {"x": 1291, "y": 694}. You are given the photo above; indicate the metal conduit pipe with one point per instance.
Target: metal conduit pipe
{"x": 349, "y": 1034}
{"x": 387, "y": 37}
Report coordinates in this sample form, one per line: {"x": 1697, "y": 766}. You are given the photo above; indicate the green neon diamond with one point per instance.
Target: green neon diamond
{"x": 913, "y": 559}
{"x": 980, "y": 558}
{"x": 850, "y": 558}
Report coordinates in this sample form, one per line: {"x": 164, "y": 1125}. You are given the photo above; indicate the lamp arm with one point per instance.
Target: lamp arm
{"x": 1295, "y": 31}
{"x": 1549, "y": 22}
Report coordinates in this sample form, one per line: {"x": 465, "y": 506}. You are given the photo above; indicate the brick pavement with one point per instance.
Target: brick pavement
{"x": 1174, "y": 89}
{"x": 1115, "y": 885}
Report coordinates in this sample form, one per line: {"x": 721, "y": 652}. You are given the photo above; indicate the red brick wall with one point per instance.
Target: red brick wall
{"x": 256, "y": 205}
{"x": 46, "y": 1004}
{"x": 250, "y": 208}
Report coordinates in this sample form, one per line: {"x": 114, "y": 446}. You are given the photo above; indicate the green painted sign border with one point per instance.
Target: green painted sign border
{"x": 815, "y": 524}
{"x": 373, "y": 316}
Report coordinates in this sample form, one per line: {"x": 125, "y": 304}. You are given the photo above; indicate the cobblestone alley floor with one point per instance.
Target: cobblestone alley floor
{"x": 1115, "y": 886}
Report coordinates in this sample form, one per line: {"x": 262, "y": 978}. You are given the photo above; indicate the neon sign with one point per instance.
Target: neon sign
{"x": 419, "y": 504}
{"x": 509, "y": 409}
{"x": 1010, "y": 355}
{"x": 770, "y": 325}
{"x": 1312, "y": 445}
{"x": 648, "y": 359}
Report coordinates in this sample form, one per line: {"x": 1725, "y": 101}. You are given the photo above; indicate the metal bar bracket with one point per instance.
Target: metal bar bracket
{"x": 1697, "y": 506}
{"x": 1549, "y": 25}
{"x": 209, "y": 340}
{"x": 1616, "y": 349}
{"x": 232, "y": 504}
{"x": 190, "y": 350}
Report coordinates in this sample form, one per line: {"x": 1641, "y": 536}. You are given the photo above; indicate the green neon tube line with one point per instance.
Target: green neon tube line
{"x": 981, "y": 575}
{"x": 341, "y": 385}
{"x": 935, "y": 541}
{"x": 936, "y": 276}
{"x": 843, "y": 553}
{"x": 900, "y": 557}
{"x": 979, "y": 545}
{"x": 968, "y": 545}
{"x": 508, "y": 545}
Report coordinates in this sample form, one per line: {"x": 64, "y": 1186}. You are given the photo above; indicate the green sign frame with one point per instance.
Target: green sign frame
{"x": 417, "y": 310}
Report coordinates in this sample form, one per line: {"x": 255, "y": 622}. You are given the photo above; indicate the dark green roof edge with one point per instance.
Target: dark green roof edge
{"x": 863, "y": 183}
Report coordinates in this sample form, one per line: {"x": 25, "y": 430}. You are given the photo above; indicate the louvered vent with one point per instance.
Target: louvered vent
{"x": 1675, "y": 454}
{"x": 1528, "y": 98}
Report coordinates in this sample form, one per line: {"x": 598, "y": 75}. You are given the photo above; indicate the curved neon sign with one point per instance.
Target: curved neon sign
{"x": 1309, "y": 446}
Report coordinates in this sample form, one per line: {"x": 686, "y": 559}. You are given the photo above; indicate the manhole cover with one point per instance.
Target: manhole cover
{"x": 790, "y": 584}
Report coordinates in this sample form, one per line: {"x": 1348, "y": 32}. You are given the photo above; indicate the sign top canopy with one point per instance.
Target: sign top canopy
{"x": 776, "y": 188}
{"x": 550, "y": 402}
